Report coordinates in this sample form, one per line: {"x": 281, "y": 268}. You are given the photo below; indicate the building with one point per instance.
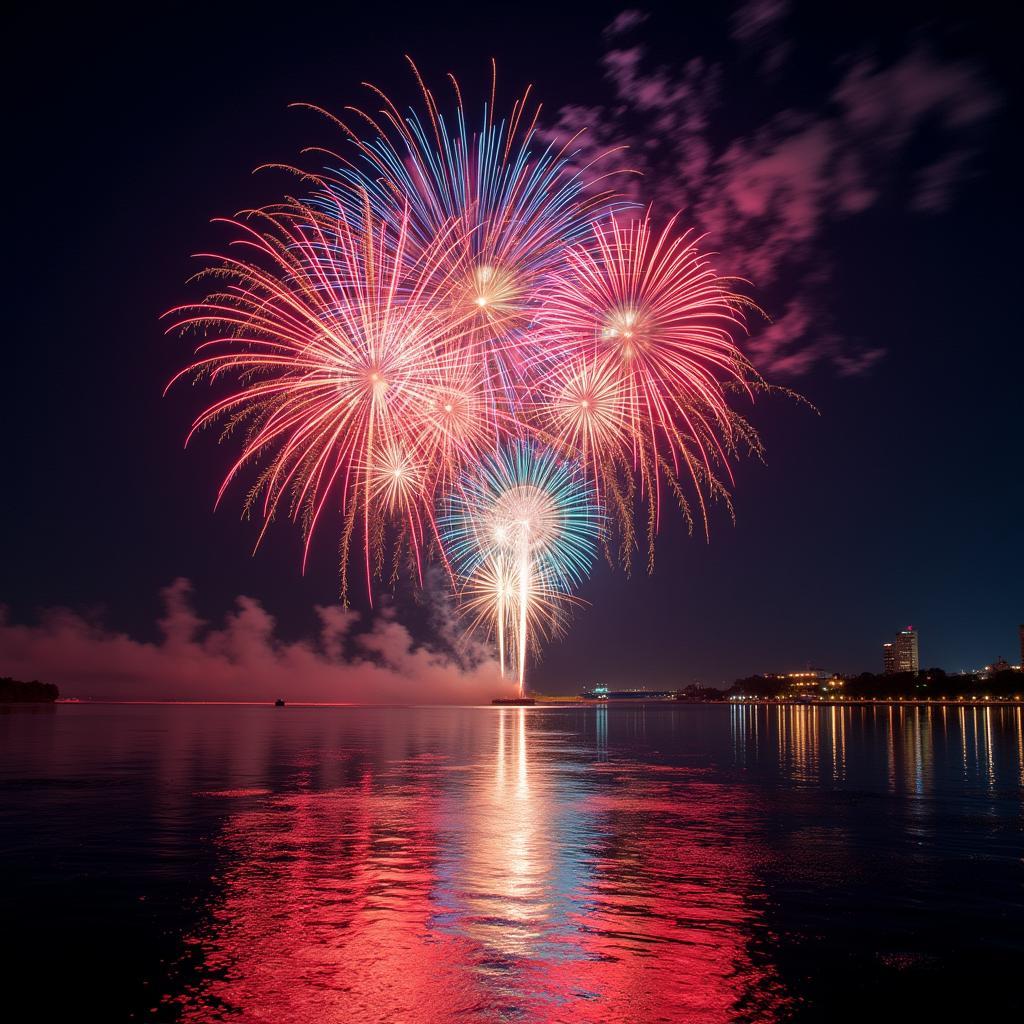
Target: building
{"x": 907, "y": 658}
{"x": 889, "y": 657}
{"x": 1020, "y": 630}
{"x": 813, "y": 682}
{"x": 902, "y": 655}
{"x": 603, "y": 693}
{"x": 811, "y": 679}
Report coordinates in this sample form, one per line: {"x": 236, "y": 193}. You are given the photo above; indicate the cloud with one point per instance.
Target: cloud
{"x": 753, "y": 18}
{"x": 756, "y": 27}
{"x": 627, "y": 20}
{"x": 904, "y": 131}
{"x": 245, "y": 660}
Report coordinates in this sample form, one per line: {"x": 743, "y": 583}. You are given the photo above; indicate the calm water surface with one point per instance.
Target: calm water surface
{"x": 421, "y": 865}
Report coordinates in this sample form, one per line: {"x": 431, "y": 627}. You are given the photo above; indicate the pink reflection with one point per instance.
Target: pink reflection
{"x": 531, "y": 885}
{"x": 327, "y": 914}
{"x": 667, "y": 911}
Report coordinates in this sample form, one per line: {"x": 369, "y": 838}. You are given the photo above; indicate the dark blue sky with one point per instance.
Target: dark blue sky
{"x": 900, "y": 503}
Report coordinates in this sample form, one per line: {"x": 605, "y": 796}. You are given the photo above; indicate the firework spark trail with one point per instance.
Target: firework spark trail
{"x": 457, "y": 345}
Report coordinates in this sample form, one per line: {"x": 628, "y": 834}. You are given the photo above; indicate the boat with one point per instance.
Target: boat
{"x": 279, "y": 703}
{"x": 515, "y": 702}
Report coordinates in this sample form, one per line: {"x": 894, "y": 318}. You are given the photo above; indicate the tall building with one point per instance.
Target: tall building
{"x": 1020, "y": 629}
{"x": 907, "y": 659}
{"x": 889, "y": 658}
{"x": 900, "y": 655}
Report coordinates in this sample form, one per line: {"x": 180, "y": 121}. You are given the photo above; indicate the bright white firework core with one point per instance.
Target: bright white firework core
{"x": 524, "y": 519}
{"x": 626, "y": 331}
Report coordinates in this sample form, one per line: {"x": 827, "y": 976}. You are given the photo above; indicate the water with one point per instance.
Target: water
{"x": 421, "y": 865}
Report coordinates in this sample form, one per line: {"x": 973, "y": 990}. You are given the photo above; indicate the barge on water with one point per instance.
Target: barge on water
{"x": 515, "y": 702}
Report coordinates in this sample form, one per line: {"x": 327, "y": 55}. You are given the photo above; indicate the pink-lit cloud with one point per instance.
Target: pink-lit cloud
{"x": 244, "y": 659}
{"x": 754, "y": 19}
{"x": 908, "y": 131}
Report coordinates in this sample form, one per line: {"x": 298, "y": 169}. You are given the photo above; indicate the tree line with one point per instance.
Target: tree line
{"x": 929, "y": 683}
{"x": 14, "y": 691}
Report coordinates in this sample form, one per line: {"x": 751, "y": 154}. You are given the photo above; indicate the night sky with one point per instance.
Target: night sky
{"x": 900, "y": 503}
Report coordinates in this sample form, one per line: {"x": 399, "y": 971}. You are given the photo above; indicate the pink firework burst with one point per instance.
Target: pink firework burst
{"x": 639, "y": 359}
{"x": 348, "y": 380}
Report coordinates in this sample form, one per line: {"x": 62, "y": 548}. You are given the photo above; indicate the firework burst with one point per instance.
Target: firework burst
{"x": 516, "y": 200}
{"x": 342, "y": 373}
{"x": 521, "y": 533}
{"x": 458, "y": 345}
{"x": 638, "y": 360}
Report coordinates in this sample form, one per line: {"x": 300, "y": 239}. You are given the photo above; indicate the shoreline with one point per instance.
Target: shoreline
{"x": 551, "y": 702}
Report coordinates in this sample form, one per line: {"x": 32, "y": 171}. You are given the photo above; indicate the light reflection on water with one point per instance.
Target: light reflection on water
{"x": 651, "y": 863}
